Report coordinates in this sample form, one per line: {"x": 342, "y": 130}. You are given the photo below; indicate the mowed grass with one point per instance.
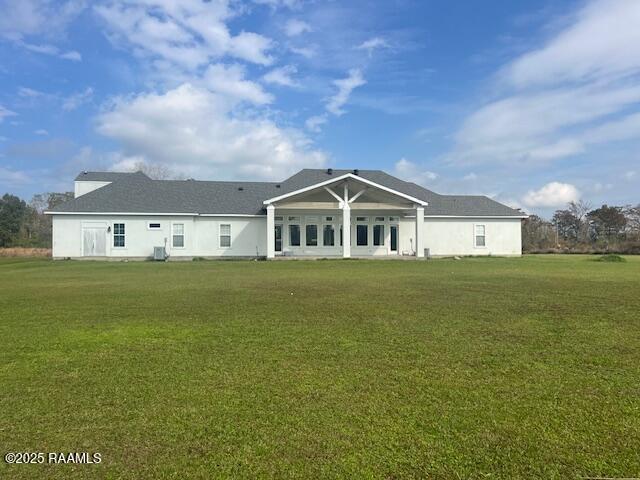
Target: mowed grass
{"x": 477, "y": 368}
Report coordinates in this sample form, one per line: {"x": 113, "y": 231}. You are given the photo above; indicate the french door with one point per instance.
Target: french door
{"x": 394, "y": 238}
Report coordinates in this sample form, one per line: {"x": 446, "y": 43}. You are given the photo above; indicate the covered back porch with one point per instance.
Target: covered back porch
{"x": 347, "y": 216}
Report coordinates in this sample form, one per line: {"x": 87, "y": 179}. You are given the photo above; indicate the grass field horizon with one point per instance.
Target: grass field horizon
{"x": 481, "y": 367}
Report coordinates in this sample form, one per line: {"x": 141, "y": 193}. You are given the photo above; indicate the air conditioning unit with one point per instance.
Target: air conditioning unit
{"x": 159, "y": 253}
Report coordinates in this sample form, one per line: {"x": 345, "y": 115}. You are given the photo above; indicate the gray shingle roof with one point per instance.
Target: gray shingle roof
{"x": 137, "y": 193}
{"x": 462, "y": 205}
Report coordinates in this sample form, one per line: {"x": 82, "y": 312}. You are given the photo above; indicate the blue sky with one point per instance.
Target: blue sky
{"x": 534, "y": 103}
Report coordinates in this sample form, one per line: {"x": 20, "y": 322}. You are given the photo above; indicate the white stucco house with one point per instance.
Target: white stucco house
{"x": 314, "y": 213}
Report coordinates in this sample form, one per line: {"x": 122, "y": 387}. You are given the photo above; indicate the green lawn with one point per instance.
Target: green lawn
{"x": 498, "y": 368}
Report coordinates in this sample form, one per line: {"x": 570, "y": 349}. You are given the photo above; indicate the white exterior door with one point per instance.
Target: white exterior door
{"x": 94, "y": 240}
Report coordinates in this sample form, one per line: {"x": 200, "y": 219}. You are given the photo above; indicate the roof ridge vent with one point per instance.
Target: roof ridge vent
{"x": 241, "y": 188}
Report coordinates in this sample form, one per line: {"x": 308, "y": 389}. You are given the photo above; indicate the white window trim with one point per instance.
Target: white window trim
{"x": 485, "y": 236}
{"x": 300, "y": 233}
{"x": 369, "y": 234}
{"x": 113, "y": 234}
{"x": 159, "y": 229}
{"x": 184, "y": 235}
{"x": 336, "y": 234}
{"x": 220, "y": 236}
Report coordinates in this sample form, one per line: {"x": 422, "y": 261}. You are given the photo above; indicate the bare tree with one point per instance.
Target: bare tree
{"x": 156, "y": 171}
{"x": 579, "y": 210}
{"x": 633, "y": 220}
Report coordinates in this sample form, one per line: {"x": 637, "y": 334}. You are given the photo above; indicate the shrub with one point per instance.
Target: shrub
{"x": 610, "y": 257}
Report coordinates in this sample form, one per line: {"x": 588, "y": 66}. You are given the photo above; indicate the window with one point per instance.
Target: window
{"x": 329, "y": 236}
{"x": 177, "y": 237}
{"x": 312, "y": 235}
{"x": 362, "y": 235}
{"x": 378, "y": 235}
{"x": 394, "y": 219}
{"x": 154, "y": 226}
{"x": 480, "y": 236}
{"x": 118, "y": 234}
{"x": 225, "y": 235}
{"x": 328, "y": 219}
{"x": 278, "y": 218}
{"x": 379, "y": 219}
{"x": 294, "y": 235}
{"x": 294, "y": 219}
{"x": 362, "y": 219}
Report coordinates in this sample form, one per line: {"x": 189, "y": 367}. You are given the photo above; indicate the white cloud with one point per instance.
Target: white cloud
{"x": 47, "y": 49}
{"x": 307, "y": 52}
{"x": 553, "y": 194}
{"x": 181, "y": 35}
{"x": 295, "y": 27}
{"x": 12, "y": 177}
{"x": 77, "y": 99}
{"x": 25, "y": 18}
{"x": 279, "y": 3}
{"x": 194, "y": 131}
{"x": 602, "y": 40}
{"x": 345, "y": 87}
{"x": 470, "y": 177}
{"x": 229, "y": 80}
{"x": 29, "y": 92}
{"x": 282, "y": 76}
{"x": 412, "y": 172}
{"x": 315, "y": 122}
{"x": 582, "y": 88}
{"x": 372, "y": 44}
{"x": 72, "y": 55}
{"x": 630, "y": 175}
{"x": 4, "y": 113}
{"x": 41, "y": 131}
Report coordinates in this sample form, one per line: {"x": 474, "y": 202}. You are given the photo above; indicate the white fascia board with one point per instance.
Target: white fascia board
{"x": 306, "y": 189}
{"x": 124, "y": 213}
{"x": 476, "y": 216}
{"x": 343, "y": 177}
{"x": 157, "y": 214}
{"x": 228, "y": 215}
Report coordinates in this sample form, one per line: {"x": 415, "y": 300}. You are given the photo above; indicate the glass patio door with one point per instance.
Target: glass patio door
{"x": 278, "y": 238}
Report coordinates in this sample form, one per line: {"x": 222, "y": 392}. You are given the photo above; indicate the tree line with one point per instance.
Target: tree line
{"x": 579, "y": 228}
{"x": 24, "y": 224}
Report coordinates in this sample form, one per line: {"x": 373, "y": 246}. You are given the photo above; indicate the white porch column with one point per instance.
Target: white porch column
{"x": 420, "y": 231}
{"x": 271, "y": 232}
{"x": 346, "y": 224}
